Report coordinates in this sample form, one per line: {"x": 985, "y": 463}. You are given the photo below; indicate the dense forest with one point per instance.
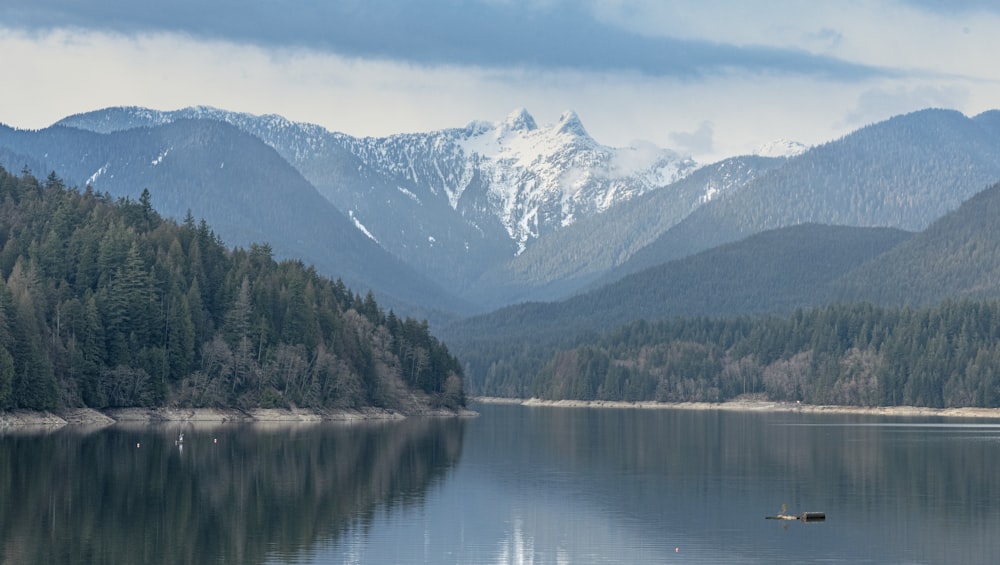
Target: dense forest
{"x": 104, "y": 303}
{"x": 942, "y": 356}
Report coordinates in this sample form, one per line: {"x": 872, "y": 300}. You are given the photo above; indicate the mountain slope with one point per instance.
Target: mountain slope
{"x": 905, "y": 172}
{"x": 567, "y": 260}
{"x": 236, "y": 183}
{"x": 451, "y": 203}
{"x": 771, "y": 272}
{"x": 956, "y": 257}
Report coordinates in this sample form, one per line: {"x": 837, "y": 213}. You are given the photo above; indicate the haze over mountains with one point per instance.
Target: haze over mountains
{"x": 470, "y": 219}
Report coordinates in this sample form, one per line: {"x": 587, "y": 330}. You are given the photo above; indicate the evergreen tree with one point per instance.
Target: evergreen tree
{"x": 104, "y": 303}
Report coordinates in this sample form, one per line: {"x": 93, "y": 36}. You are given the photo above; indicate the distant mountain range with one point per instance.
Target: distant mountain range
{"x": 495, "y": 213}
{"x": 452, "y": 203}
{"x": 905, "y": 173}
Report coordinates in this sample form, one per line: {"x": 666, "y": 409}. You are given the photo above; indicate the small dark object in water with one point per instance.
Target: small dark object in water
{"x": 805, "y": 516}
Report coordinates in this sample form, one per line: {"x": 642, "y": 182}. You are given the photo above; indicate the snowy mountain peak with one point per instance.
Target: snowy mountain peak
{"x": 570, "y": 123}
{"x": 519, "y": 120}
{"x": 539, "y": 179}
{"x": 780, "y": 148}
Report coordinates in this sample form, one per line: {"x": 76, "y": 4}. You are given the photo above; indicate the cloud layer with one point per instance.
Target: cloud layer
{"x": 552, "y": 35}
{"x": 712, "y": 78}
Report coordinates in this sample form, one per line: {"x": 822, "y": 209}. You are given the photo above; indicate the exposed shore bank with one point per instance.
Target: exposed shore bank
{"x": 90, "y": 417}
{"x": 755, "y": 406}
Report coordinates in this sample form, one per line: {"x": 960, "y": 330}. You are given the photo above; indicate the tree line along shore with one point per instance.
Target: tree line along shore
{"x": 106, "y": 305}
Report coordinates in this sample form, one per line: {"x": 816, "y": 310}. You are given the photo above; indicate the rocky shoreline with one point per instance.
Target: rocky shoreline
{"x": 95, "y": 418}
{"x": 756, "y": 406}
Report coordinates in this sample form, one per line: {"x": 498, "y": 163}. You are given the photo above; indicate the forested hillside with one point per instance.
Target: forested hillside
{"x": 946, "y": 356}
{"x": 104, "y": 303}
{"x": 773, "y": 272}
{"x": 956, "y": 257}
{"x": 905, "y": 173}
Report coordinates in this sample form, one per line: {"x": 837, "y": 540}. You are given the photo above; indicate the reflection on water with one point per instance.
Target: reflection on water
{"x": 894, "y": 490}
{"x": 516, "y": 485}
{"x": 551, "y": 485}
{"x": 227, "y": 494}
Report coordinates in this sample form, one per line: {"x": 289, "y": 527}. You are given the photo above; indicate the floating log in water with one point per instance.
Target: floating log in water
{"x": 804, "y": 517}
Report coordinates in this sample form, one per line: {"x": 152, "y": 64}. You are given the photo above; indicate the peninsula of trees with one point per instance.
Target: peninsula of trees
{"x": 106, "y": 304}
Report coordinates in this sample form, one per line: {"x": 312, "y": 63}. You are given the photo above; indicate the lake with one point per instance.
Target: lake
{"x": 515, "y": 485}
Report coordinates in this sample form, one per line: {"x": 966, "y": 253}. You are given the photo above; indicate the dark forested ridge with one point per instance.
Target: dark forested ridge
{"x": 773, "y": 272}
{"x": 905, "y": 172}
{"x": 945, "y": 356}
{"x": 104, "y": 303}
{"x": 958, "y": 256}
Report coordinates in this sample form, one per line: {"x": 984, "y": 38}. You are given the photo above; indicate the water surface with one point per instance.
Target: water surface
{"x": 515, "y": 485}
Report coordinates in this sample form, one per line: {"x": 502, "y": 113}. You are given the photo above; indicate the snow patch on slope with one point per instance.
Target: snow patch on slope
{"x": 97, "y": 174}
{"x": 360, "y": 226}
{"x": 159, "y": 158}
{"x": 409, "y": 194}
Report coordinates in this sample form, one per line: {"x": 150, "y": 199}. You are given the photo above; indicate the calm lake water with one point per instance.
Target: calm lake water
{"x": 515, "y": 485}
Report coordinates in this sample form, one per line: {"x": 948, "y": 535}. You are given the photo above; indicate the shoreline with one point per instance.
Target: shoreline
{"x": 88, "y": 417}
{"x": 753, "y": 406}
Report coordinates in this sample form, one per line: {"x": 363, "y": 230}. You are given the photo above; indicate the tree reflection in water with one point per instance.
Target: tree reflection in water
{"x": 228, "y": 494}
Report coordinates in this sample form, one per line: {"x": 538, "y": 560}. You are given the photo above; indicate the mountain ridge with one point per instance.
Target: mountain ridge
{"x": 905, "y": 172}
{"x": 770, "y": 272}
{"x": 451, "y": 203}
{"x": 457, "y": 200}
{"x": 184, "y": 165}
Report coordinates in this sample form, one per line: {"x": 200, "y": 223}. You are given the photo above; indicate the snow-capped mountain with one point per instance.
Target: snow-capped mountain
{"x": 452, "y": 202}
{"x": 533, "y": 179}
{"x": 780, "y": 148}
{"x": 568, "y": 260}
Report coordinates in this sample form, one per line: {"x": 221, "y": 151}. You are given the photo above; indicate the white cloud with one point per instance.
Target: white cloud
{"x": 875, "y": 104}
{"x": 890, "y": 34}
{"x": 699, "y": 141}
{"x": 54, "y": 74}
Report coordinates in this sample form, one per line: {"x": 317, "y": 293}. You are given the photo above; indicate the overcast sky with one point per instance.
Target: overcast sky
{"x": 708, "y": 78}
